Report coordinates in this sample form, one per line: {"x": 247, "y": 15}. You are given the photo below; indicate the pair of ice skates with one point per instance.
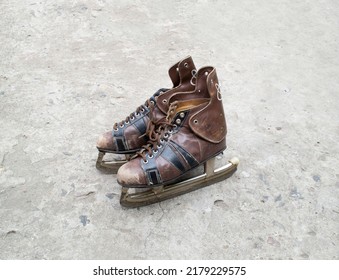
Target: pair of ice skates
{"x": 173, "y": 133}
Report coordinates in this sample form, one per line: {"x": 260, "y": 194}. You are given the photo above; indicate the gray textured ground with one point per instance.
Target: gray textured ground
{"x": 69, "y": 69}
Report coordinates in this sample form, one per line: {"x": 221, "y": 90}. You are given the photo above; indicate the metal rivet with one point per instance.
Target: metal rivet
{"x": 178, "y": 121}
{"x": 182, "y": 114}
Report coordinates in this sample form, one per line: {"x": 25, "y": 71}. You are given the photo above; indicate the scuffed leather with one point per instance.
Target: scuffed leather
{"x": 201, "y": 123}
{"x": 202, "y": 140}
{"x": 185, "y": 68}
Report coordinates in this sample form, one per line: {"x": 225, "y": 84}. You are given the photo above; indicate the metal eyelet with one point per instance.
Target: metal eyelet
{"x": 162, "y": 140}
{"x": 142, "y": 110}
{"x": 170, "y": 131}
{"x": 122, "y": 125}
{"x": 115, "y": 129}
{"x": 206, "y": 73}
{"x": 182, "y": 114}
{"x": 178, "y": 121}
{"x": 137, "y": 114}
{"x": 146, "y": 161}
{"x": 186, "y": 64}
{"x": 166, "y": 135}
{"x": 127, "y": 122}
{"x": 175, "y": 126}
{"x": 195, "y": 121}
{"x": 152, "y": 102}
{"x": 150, "y": 156}
{"x": 155, "y": 151}
{"x": 132, "y": 118}
{"x": 164, "y": 101}
{"x": 159, "y": 146}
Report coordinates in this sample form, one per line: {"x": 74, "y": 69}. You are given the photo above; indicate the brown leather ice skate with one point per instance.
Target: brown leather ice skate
{"x": 191, "y": 135}
{"x": 128, "y": 136}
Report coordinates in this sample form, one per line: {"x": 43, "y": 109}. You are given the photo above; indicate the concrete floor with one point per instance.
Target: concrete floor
{"x": 70, "y": 69}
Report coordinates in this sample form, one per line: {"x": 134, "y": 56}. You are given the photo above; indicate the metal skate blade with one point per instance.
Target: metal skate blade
{"x": 112, "y": 162}
{"x": 150, "y": 196}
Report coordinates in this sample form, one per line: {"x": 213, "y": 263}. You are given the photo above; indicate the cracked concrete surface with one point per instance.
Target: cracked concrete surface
{"x": 70, "y": 69}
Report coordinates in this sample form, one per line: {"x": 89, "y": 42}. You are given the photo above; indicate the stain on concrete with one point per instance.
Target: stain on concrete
{"x": 295, "y": 194}
{"x": 273, "y": 242}
{"x": 63, "y": 192}
{"x": 262, "y": 178}
{"x": 316, "y": 178}
{"x": 278, "y": 198}
{"x": 84, "y": 220}
{"x": 110, "y": 195}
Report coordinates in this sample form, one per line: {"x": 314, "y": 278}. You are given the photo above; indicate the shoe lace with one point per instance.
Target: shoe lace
{"x": 149, "y": 104}
{"x": 158, "y": 132}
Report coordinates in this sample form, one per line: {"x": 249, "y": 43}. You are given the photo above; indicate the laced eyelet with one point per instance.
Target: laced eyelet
{"x": 155, "y": 151}
{"x": 166, "y": 135}
{"x": 170, "y": 131}
{"x": 162, "y": 141}
{"x": 122, "y": 125}
{"x": 132, "y": 118}
{"x": 115, "y": 129}
{"x": 152, "y": 102}
{"x": 146, "y": 161}
{"x": 137, "y": 114}
{"x": 159, "y": 146}
{"x": 142, "y": 110}
{"x": 127, "y": 122}
{"x": 150, "y": 156}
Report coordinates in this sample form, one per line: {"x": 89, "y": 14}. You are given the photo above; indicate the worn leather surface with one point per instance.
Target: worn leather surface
{"x": 201, "y": 123}
{"x": 181, "y": 76}
{"x": 199, "y": 135}
{"x": 184, "y": 69}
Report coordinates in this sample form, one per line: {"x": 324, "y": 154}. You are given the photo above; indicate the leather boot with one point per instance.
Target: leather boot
{"x": 193, "y": 132}
{"x": 129, "y": 135}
